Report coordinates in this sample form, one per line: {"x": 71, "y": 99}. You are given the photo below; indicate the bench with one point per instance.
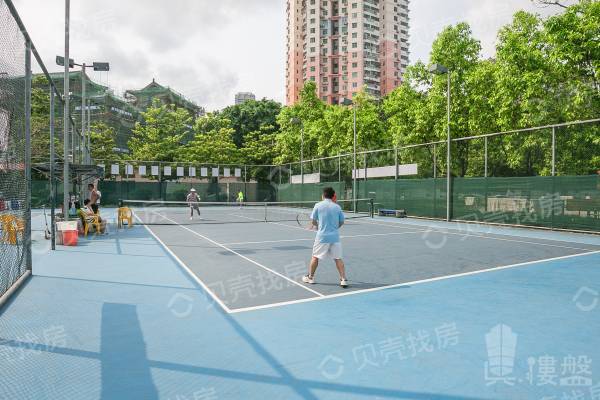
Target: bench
{"x": 383, "y": 212}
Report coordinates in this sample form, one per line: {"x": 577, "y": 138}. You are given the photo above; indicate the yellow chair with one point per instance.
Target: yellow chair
{"x": 89, "y": 220}
{"x": 11, "y": 228}
{"x": 124, "y": 214}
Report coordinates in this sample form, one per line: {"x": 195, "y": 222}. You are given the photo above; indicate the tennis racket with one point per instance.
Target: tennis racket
{"x": 305, "y": 221}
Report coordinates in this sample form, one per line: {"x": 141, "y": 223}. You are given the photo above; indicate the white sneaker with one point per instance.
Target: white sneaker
{"x": 344, "y": 283}
{"x": 308, "y": 279}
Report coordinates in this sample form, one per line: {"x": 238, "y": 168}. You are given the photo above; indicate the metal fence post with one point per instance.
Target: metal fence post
{"x": 397, "y": 163}
{"x": 340, "y": 170}
{"x": 66, "y": 178}
{"x": 434, "y": 161}
{"x": 27, "y": 249}
{"x": 553, "y": 151}
{"x": 485, "y": 156}
{"x": 52, "y": 177}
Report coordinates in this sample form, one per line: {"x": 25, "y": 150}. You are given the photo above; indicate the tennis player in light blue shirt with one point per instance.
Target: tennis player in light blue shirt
{"x": 328, "y": 217}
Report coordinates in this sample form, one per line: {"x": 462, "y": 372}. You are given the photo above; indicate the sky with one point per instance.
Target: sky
{"x": 208, "y": 50}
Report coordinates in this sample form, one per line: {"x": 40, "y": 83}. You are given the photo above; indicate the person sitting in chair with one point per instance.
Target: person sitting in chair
{"x": 89, "y": 215}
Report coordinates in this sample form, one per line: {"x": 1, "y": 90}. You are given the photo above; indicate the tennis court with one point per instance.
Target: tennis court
{"x": 214, "y": 308}
{"x": 245, "y": 264}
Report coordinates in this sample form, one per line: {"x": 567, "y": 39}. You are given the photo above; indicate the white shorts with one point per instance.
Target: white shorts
{"x": 327, "y": 250}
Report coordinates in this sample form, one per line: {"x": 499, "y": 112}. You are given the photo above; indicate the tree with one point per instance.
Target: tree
{"x": 102, "y": 138}
{"x": 214, "y": 145}
{"x": 250, "y": 117}
{"x": 160, "y": 136}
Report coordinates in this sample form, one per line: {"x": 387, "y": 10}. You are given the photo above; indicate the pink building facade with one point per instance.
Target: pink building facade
{"x": 345, "y": 45}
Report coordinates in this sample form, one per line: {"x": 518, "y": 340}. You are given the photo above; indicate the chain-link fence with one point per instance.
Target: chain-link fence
{"x": 15, "y": 251}
{"x": 546, "y": 177}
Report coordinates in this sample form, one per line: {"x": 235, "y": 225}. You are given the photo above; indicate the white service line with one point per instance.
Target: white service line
{"x": 342, "y": 237}
{"x": 243, "y": 256}
{"x": 185, "y": 267}
{"x": 482, "y": 236}
{"x": 441, "y": 278}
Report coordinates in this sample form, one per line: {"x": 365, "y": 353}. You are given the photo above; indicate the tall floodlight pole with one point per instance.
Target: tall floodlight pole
{"x": 66, "y": 119}
{"x": 439, "y": 69}
{"x": 83, "y": 130}
{"x": 52, "y": 185}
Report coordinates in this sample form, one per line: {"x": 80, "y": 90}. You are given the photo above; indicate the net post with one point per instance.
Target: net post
{"x": 340, "y": 170}
{"x": 27, "y": 166}
{"x": 372, "y": 208}
{"x": 266, "y": 220}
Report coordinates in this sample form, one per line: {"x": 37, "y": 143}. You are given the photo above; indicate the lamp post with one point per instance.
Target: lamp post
{"x": 348, "y": 102}
{"x": 85, "y": 133}
{"x": 439, "y": 69}
{"x": 297, "y": 121}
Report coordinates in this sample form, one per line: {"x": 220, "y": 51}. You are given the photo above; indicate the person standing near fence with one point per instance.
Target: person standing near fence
{"x": 93, "y": 196}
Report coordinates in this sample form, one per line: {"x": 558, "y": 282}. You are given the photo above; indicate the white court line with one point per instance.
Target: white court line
{"x": 441, "y": 278}
{"x": 443, "y": 230}
{"x": 243, "y": 256}
{"x": 342, "y": 237}
{"x": 185, "y": 267}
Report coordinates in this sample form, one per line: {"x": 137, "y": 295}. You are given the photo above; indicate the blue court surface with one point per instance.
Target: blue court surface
{"x": 201, "y": 311}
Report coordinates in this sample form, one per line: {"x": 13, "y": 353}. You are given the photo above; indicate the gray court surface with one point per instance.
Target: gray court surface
{"x": 253, "y": 265}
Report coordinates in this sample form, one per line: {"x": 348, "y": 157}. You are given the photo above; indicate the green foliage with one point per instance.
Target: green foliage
{"x": 160, "y": 136}
{"x": 102, "y": 138}
{"x": 251, "y": 116}
{"x": 212, "y": 143}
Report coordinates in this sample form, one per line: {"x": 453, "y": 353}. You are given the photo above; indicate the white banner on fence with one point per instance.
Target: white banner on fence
{"x": 114, "y": 169}
{"x": 238, "y": 172}
{"x": 167, "y": 171}
{"x": 227, "y": 172}
{"x": 383, "y": 172}
{"x": 192, "y": 171}
{"x": 142, "y": 170}
{"x": 215, "y": 172}
{"x": 128, "y": 169}
{"x": 180, "y": 171}
{"x": 154, "y": 170}
{"x": 204, "y": 171}
{"x": 308, "y": 178}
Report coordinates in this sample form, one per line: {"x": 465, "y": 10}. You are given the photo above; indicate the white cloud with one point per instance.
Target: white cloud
{"x": 210, "y": 49}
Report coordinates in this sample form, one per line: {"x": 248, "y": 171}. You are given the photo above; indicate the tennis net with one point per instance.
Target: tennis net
{"x": 180, "y": 213}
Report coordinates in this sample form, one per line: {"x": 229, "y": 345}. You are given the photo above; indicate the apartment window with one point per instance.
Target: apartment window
{"x": 312, "y": 69}
{"x": 312, "y": 78}
{"x": 354, "y": 45}
{"x": 313, "y": 11}
{"x": 355, "y": 74}
{"x": 354, "y": 5}
{"x": 354, "y": 25}
{"x": 312, "y": 40}
{"x": 354, "y": 85}
{"x": 312, "y": 49}
{"x": 312, "y": 30}
{"x": 354, "y": 65}
{"x": 354, "y": 35}
{"x": 354, "y": 15}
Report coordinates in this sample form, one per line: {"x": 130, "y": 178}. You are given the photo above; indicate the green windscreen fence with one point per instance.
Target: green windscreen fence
{"x": 562, "y": 202}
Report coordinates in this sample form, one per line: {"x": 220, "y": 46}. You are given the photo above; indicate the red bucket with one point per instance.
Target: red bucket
{"x": 70, "y": 238}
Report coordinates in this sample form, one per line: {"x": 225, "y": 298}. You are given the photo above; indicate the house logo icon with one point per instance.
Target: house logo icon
{"x": 501, "y": 344}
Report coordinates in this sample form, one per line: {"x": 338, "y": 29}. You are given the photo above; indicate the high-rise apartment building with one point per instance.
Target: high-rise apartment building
{"x": 345, "y": 45}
